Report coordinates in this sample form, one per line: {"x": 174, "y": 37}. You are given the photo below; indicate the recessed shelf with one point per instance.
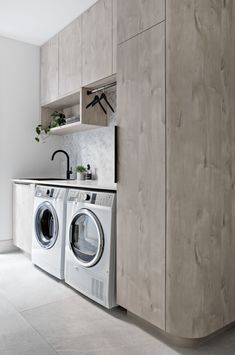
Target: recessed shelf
{"x": 72, "y": 128}
{"x": 75, "y": 104}
{"x": 64, "y": 101}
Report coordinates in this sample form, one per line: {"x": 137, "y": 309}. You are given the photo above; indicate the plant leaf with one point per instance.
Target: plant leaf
{"x": 38, "y": 130}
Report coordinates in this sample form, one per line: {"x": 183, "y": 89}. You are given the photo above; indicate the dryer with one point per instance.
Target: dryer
{"x": 90, "y": 262}
{"x": 48, "y": 247}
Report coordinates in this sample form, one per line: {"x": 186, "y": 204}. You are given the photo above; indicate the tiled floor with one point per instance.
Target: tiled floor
{"x": 40, "y": 316}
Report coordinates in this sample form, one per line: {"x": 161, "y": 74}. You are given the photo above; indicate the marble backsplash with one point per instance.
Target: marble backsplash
{"x": 95, "y": 147}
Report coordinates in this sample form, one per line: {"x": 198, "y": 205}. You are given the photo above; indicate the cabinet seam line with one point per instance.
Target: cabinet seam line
{"x": 137, "y": 34}
{"x": 81, "y": 48}
{"x": 112, "y": 38}
{"x": 165, "y": 41}
{"x": 58, "y": 53}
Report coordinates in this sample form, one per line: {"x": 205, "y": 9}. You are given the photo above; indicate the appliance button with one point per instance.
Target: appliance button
{"x": 48, "y": 192}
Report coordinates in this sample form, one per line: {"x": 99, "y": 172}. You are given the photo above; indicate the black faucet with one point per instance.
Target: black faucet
{"x": 69, "y": 171}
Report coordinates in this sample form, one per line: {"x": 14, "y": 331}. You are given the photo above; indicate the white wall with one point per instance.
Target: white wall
{"x": 20, "y": 155}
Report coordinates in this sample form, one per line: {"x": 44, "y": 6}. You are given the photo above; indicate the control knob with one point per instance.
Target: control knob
{"x": 86, "y": 197}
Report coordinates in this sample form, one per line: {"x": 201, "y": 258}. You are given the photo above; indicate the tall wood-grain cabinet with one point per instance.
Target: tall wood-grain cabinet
{"x": 176, "y": 196}
{"x": 141, "y": 171}
{"x": 23, "y": 200}
{"x": 200, "y": 238}
{"x": 49, "y": 70}
{"x": 70, "y": 58}
{"x": 97, "y": 42}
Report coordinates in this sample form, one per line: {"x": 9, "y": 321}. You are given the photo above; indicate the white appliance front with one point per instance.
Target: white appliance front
{"x": 90, "y": 245}
{"x": 49, "y": 225}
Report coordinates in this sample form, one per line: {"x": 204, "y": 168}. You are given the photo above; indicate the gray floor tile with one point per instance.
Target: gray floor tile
{"x": 147, "y": 349}
{"x": 72, "y": 323}
{"x": 17, "y": 336}
{"x": 39, "y": 315}
{"x": 26, "y": 286}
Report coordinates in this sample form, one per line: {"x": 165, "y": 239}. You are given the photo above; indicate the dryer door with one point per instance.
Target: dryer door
{"x": 46, "y": 225}
{"x": 86, "y": 238}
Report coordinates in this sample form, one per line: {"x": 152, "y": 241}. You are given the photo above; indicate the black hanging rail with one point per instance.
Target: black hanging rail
{"x": 89, "y": 92}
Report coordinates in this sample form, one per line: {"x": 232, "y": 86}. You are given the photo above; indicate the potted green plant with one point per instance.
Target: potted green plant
{"x": 80, "y": 170}
{"x": 58, "y": 119}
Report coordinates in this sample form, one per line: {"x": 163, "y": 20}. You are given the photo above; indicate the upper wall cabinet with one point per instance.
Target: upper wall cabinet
{"x": 49, "y": 70}
{"x": 135, "y": 16}
{"x": 70, "y": 58}
{"x": 97, "y": 42}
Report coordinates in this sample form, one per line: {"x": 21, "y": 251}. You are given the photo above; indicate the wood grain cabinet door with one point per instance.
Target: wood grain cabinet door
{"x": 97, "y": 42}
{"x": 135, "y": 16}
{"x": 70, "y": 58}
{"x": 200, "y": 81}
{"x": 141, "y": 175}
{"x": 49, "y": 70}
{"x": 23, "y": 201}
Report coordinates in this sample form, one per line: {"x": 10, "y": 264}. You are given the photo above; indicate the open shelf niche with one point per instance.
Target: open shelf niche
{"x": 74, "y": 105}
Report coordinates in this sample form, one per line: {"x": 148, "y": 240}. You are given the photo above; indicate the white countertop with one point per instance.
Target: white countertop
{"x": 89, "y": 184}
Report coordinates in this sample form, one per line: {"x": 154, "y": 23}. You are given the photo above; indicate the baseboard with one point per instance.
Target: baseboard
{"x": 6, "y": 246}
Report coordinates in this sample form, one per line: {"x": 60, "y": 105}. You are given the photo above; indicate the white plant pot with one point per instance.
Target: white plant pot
{"x": 80, "y": 176}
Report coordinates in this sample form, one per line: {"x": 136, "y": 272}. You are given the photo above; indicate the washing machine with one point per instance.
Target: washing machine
{"x": 48, "y": 246}
{"x": 90, "y": 261}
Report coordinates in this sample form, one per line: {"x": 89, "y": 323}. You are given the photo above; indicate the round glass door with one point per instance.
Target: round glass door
{"x": 86, "y": 238}
{"x": 46, "y": 225}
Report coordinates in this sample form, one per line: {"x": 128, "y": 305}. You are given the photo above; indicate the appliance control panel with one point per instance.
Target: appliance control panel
{"x": 92, "y": 197}
{"x": 49, "y": 192}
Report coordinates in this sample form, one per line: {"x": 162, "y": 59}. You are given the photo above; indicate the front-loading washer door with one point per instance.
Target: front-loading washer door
{"x": 86, "y": 238}
{"x": 46, "y": 225}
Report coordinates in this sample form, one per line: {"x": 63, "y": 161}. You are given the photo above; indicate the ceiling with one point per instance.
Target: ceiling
{"x": 35, "y": 21}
